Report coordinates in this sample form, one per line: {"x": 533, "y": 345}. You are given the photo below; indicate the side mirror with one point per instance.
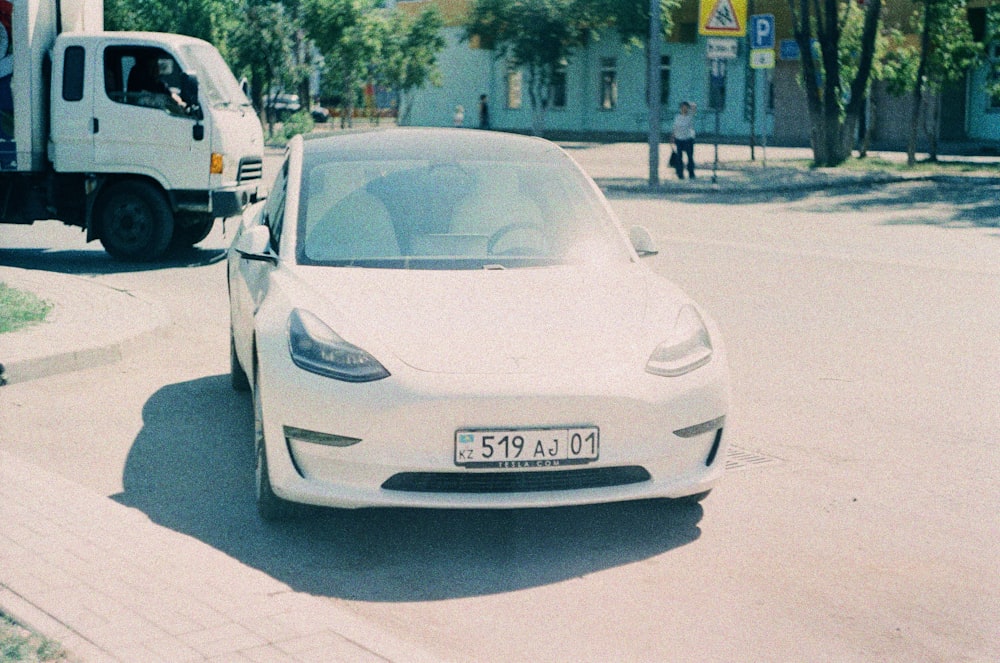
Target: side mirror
{"x": 255, "y": 244}
{"x": 642, "y": 241}
{"x": 189, "y": 95}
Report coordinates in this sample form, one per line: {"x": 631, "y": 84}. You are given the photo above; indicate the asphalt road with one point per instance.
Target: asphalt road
{"x": 859, "y": 521}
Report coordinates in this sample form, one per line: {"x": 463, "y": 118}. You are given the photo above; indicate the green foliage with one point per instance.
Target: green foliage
{"x": 536, "y": 33}
{"x": 205, "y": 19}
{"x": 409, "y": 55}
{"x": 262, "y": 48}
{"x": 19, "y": 645}
{"x": 299, "y": 123}
{"x": 350, "y": 34}
{"x": 630, "y": 18}
{"x": 993, "y": 35}
{"x": 19, "y": 309}
{"x": 952, "y": 49}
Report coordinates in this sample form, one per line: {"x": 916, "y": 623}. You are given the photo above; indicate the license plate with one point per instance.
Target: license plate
{"x": 527, "y": 448}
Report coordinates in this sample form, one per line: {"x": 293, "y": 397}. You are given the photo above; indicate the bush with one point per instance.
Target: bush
{"x": 299, "y": 123}
{"x": 19, "y": 309}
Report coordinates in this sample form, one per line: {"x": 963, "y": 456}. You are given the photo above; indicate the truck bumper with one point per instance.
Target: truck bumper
{"x": 231, "y": 200}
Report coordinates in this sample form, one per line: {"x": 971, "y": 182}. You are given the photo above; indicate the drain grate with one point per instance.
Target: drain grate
{"x": 740, "y": 459}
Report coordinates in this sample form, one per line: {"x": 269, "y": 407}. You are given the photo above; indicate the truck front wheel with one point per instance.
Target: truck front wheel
{"x": 134, "y": 221}
{"x": 190, "y": 228}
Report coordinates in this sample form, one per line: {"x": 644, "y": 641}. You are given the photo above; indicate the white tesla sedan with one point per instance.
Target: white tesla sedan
{"x": 456, "y": 318}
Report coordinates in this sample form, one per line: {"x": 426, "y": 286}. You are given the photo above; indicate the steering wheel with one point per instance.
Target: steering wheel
{"x": 513, "y": 227}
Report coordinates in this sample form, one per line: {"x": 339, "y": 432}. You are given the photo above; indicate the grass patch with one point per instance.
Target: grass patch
{"x": 953, "y": 166}
{"x": 19, "y": 309}
{"x": 18, "y": 644}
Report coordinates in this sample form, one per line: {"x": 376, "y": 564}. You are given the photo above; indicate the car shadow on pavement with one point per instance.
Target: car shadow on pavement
{"x": 191, "y": 469}
{"x": 84, "y": 262}
{"x": 973, "y": 200}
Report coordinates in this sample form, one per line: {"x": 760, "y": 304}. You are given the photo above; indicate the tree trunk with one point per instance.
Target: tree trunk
{"x": 918, "y": 92}
{"x": 935, "y": 126}
{"x": 538, "y": 96}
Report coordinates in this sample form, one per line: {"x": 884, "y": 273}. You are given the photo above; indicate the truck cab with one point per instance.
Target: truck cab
{"x": 151, "y": 121}
{"x": 141, "y": 138}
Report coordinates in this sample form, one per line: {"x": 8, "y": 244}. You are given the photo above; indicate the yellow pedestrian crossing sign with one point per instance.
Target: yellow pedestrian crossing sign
{"x": 722, "y": 18}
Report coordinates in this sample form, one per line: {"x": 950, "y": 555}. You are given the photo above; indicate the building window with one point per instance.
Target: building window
{"x": 664, "y": 80}
{"x": 609, "y": 83}
{"x": 513, "y": 87}
{"x": 557, "y": 95}
{"x": 717, "y": 85}
{"x": 993, "y": 77}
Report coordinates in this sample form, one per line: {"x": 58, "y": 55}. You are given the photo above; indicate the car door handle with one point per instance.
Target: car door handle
{"x": 95, "y": 125}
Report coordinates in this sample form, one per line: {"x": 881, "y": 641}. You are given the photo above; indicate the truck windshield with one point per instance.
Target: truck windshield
{"x": 219, "y": 88}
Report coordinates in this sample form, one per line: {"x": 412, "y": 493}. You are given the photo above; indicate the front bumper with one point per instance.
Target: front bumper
{"x": 403, "y": 436}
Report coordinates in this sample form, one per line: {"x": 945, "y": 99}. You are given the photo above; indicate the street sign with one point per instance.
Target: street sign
{"x": 789, "y": 49}
{"x": 762, "y": 58}
{"x": 762, "y": 31}
{"x": 722, "y": 18}
{"x": 717, "y": 48}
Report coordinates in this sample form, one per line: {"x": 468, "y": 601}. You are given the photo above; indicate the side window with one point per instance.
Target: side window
{"x": 72, "y": 82}
{"x": 274, "y": 209}
{"x": 143, "y": 76}
{"x": 609, "y": 84}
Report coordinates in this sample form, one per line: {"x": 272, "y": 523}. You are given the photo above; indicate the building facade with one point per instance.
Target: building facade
{"x": 601, "y": 90}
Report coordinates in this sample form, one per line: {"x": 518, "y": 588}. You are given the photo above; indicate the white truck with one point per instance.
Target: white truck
{"x": 142, "y": 139}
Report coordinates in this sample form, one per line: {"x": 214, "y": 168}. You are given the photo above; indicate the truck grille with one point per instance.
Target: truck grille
{"x": 251, "y": 168}
{"x": 515, "y": 482}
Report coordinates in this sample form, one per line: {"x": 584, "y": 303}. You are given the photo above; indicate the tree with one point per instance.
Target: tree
{"x": 835, "y": 100}
{"x": 410, "y": 55}
{"x": 205, "y": 19}
{"x": 630, "y": 18}
{"x": 350, "y": 35}
{"x": 538, "y": 35}
{"x": 947, "y": 51}
{"x": 894, "y": 65}
{"x": 261, "y": 47}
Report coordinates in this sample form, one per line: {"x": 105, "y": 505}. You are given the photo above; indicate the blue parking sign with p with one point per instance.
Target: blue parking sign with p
{"x": 762, "y": 31}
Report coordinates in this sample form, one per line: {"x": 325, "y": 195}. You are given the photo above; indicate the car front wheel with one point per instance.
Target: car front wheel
{"x": 269, "y": 506}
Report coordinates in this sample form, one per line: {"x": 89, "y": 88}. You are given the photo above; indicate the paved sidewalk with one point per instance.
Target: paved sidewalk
{"x": 111, "y": 585}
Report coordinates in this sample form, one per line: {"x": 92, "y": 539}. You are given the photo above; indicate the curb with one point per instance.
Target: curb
{"x": 90, "y": 325}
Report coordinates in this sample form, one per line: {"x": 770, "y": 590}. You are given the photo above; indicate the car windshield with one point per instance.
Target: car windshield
{"x": 452, "y": 215}
{"x": 219, "y": 88}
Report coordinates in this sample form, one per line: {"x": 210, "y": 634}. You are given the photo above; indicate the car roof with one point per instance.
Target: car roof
{"x": 433, "y": 144}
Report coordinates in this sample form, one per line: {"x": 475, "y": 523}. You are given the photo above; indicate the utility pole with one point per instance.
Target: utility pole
{"x": 653, "y": 91}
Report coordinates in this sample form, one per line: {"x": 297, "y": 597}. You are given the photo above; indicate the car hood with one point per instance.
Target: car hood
{"x": 503, "y": 321}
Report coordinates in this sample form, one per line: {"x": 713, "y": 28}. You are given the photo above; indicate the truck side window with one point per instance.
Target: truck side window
{"x": 72, "y": 83}
{"x": 143, "y": 76}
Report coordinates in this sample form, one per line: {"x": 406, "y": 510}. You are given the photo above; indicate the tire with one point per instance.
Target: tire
{"x": 134, "y": 221}
{"x": 270, "y": 507}
{"x": 191, "y": 229}
{"x": 237, "y": 375}
{"x": 696, "y": 498}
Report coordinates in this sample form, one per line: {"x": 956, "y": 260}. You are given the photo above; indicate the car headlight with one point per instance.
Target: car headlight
{"x": 317, "y": 348}
{"x": 688, "y": 347}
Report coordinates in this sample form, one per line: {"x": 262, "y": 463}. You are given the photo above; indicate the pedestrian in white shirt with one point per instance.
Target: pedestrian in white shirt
{"x": 683, "y": 137}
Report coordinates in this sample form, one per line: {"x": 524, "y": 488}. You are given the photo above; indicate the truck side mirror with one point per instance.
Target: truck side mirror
{"x": 189, "y": 95}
